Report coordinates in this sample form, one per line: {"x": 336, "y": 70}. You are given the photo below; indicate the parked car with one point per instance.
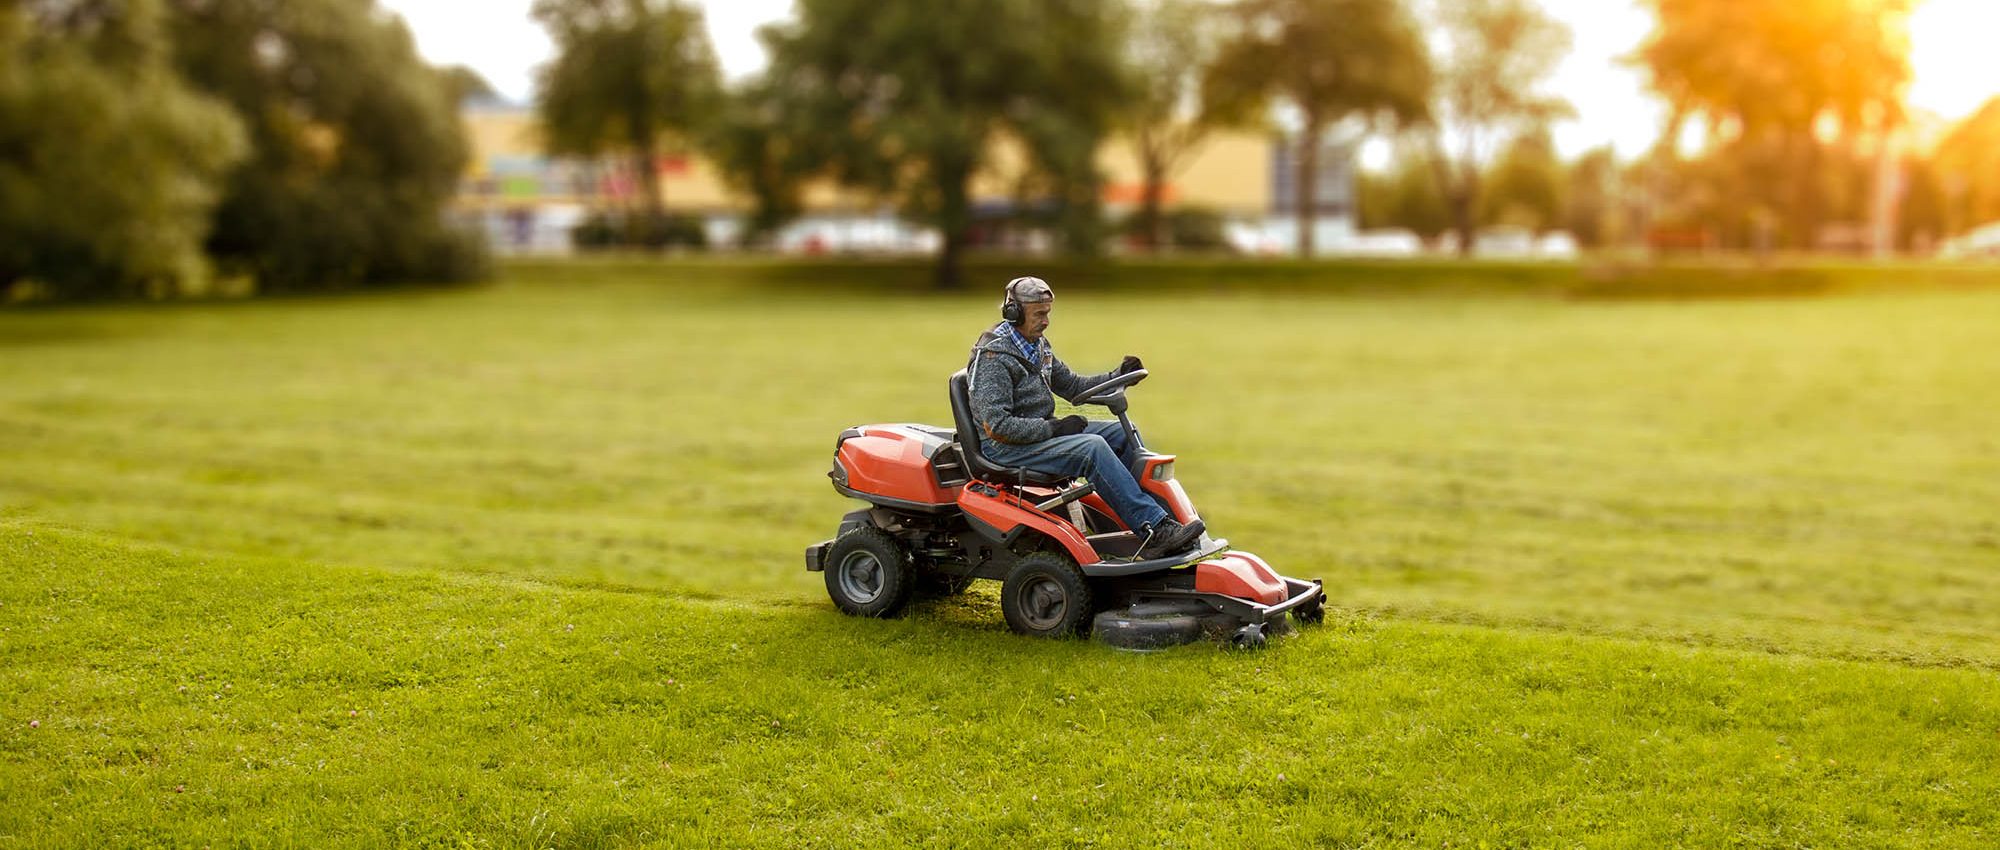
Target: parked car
{"x": 1981, "y": 241}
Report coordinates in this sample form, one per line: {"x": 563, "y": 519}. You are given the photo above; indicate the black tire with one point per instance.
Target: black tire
{"x": 1045, "y": 595}
{"x": 1121, "y": 630}
{"x": 868, "y": 574}
{"x": 1312, "y": 613}
{"x": 1249, "y": 638}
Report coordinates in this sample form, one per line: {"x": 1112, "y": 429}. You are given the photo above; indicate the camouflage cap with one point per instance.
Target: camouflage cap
{"x": 1029, "y": 290}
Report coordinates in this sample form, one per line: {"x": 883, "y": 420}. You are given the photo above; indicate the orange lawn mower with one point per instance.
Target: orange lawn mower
{"x": 941, "y": 515}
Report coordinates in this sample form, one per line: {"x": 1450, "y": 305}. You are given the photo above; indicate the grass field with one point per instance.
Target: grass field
{"x": 520, "y": 566}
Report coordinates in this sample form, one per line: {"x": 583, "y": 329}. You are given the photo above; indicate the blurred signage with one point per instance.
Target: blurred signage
{"x": 615, "y": 186}
{"x": 1335, "y": 186}
{"x": 520, "y": 186}
{"x": 1134, "y": 193}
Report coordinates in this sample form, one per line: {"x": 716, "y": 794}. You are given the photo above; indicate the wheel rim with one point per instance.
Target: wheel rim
{"x": 1043, "y": 603}
{"x": 861, "y": 576}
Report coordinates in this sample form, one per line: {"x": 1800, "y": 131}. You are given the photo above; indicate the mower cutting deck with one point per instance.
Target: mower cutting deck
{"x": 941, "y": 515}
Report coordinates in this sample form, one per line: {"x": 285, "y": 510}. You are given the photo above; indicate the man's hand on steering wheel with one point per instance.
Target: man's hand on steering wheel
{"x": 1131, "y": 364}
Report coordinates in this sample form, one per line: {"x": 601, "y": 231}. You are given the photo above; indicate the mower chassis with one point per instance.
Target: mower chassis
{"x": 1115, "y": 569}
{"x": 1299, "y": 594}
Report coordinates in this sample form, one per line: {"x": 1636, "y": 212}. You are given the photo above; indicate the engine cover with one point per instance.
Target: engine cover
{"x": 895, "y": 463}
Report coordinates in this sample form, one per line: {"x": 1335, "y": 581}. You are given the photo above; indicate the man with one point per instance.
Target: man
{"x": 1014, "y": 377}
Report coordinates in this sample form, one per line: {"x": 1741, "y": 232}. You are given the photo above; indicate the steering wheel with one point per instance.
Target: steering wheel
{"x": 1110, "y": 392}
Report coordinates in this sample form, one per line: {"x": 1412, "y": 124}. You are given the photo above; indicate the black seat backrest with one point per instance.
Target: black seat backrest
{"x": 961, "y": 412}
{"x": 968, "y": 442}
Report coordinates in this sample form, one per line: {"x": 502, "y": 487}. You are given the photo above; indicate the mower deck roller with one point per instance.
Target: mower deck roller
{"x": 940, "y": 514}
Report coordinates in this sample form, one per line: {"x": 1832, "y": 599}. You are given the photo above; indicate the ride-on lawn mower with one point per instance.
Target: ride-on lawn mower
{"x": 941, "y": 515}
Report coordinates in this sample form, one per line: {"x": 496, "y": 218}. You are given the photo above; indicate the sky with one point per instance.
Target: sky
{"x": 1951, "y": 56}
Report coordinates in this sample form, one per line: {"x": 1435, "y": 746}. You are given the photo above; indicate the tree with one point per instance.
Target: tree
{"x": 1494, "y": 54}
{"x": 628, "y": 76}
{"x": 1967, "y": 163}
{"x": 765, "y": 144}
{"x": 109, "y": 165}
{"x": 1524, "y": 187}
{"x": 1772, "y": 77}
{"x": 1405, "y": 197}
{"x": 1596, "y": 195}
{"x": 356, "y": 144}
{"x": 1921, "y": 219}
{"x": 1171, "y": 46}
{"x": 908, "y": 101}
{"x": 467, "y": 84}
{"x": 1330, "y": 60}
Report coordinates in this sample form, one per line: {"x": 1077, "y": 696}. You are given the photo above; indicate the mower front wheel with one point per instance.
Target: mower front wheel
{"x": 1250, "y": 637}
{"x": 1312, "y": 613}
{"x": 1045, "y": 595}
{"x": 868, "y": 574}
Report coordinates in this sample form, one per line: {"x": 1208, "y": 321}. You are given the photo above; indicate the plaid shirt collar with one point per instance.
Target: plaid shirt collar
{"x": 1030, "y": 350}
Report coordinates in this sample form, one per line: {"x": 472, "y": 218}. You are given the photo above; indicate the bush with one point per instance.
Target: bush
{"x": 665, "y": 231}
{"x": 109, "y": 167}
{"x": 1186, "y": 228}
{"x": 459, "y": 256}
{"x": 597, "y": 231}
{"x": 651, "y": 232}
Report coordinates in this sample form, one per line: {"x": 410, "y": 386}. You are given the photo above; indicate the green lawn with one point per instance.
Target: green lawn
{"x": 520, "y": 566}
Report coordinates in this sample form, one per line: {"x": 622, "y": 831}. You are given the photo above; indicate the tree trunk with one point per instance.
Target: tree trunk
{"x": 1459, "y": 187}
{"x": 950, "y": 270}
{"x": 644, "y": 153}
{"x": 1464, "y": 203}
{"x": 1885, "y": 198}
{"x": 1152, "y": 230}
{"x": 954, "y": 219}
{"x": 1306, "y": 185}
{"x": 1658, "y": 168}
{"x": 1806, "y": 197}
{"x": 1462, "y": 223}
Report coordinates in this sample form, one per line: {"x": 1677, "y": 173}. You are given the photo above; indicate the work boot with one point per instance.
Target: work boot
{"x": 1168, "y": 537}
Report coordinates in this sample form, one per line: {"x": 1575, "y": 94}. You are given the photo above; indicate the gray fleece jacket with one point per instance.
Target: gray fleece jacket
{"x": 1012, "y": 399}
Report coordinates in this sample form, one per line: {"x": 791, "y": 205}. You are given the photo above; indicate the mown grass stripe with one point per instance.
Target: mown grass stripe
{"x": 497, "y": 710}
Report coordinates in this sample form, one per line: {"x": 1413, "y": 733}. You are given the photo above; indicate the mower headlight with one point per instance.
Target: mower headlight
{"x": 1164, "y": 471}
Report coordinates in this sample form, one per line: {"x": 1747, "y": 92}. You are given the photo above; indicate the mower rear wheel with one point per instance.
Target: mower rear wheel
{"x": 1045, "y": 595}
{"x": 868, "y": 574}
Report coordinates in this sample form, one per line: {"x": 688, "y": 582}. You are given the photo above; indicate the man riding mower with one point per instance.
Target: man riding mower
{"x": 1085, "y": 527}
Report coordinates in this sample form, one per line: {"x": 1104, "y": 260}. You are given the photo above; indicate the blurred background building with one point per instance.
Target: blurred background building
{"x": 526, "y": 201}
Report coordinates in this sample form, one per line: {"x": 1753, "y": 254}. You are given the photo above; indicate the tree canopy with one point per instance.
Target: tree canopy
{"x": 1769, "y": 77}
{"x": 1525, "y": 185}
{"x": 1330, "y": 61}
{"x": 1968, "y": 167}
{"x": 1169, "y": 49}
{"x": 153, "y": 145}
{"x": 1405, "y": 196}
{"x": 112, "y": 165}
{"x": 1493, "y": 56}
{"x": 909, "y": 99}
{"x": 630, "y": 76}
{"x": 356, "y": 146}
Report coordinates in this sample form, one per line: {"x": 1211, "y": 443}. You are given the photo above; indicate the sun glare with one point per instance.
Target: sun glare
{"x": 1951, "y": 55}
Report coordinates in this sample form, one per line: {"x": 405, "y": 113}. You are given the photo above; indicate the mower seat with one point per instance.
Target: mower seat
{"x": 975, "y": 460}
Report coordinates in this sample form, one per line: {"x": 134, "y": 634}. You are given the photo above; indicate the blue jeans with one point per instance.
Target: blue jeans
{"x": 1100, "y": 454}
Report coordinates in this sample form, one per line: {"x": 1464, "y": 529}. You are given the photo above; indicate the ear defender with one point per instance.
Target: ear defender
{"x": 1011, "y": 309}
